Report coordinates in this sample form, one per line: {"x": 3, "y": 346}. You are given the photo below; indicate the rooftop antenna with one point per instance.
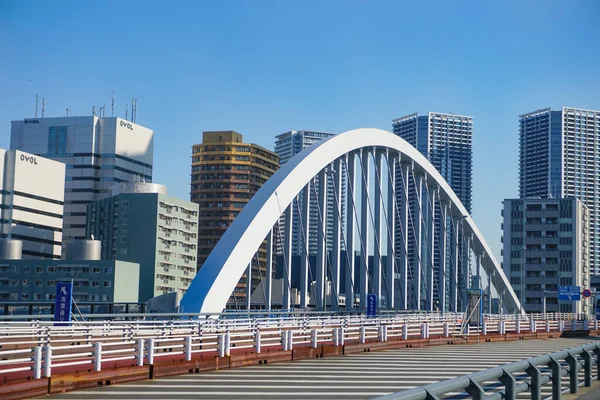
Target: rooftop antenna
{"x": 36, "y": 105}
{"x": 112, "y": 103}
{"x": 103, "y": 110}
{"x": 93, "y": 110}
{"x": 67, "y": 111}
{"x": 126, "y": 110}
{"x": 43, "y": 104}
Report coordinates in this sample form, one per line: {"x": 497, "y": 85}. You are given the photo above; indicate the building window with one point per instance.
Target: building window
{"x": 14, "y": 282}
{"x": 26, "y": 270}
{"x": 108, "y": 270}
{"x": 25, "y": 283}
{"x": 123, "y": 239}
{"x": 39, "y": 283}
{"x": 39, "y": 270}
{"x": 37, "y": 296}
{"x": 57, "y": 141}
{"x": 107, "y": 283}
{"x": 95, "y": 283}
{"x": 25, "y": 296}
{"x": 50, "y": 269}
{"x": 106, "y": 297}
{"x": 96, "y": 270}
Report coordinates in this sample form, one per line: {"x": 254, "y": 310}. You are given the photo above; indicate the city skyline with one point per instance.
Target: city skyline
{"x": 246, "y": 76}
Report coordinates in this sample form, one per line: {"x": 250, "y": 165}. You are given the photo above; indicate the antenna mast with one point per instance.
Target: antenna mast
{"x": 112, "y": 102}
{"x": 36, "y": 105}
{"x": 43, "y": 104}
{"x": 126, "y": 110}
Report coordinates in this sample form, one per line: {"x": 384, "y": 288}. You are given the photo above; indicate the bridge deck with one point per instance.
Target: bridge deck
{"x": 359, "y": 376}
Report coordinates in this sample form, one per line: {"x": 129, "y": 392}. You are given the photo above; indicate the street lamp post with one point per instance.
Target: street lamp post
{"x": 522, "y": 278}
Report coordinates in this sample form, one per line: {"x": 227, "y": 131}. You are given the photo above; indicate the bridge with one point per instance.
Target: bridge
{"x": 375, "y": 196}
{"x": 388, "y": 229}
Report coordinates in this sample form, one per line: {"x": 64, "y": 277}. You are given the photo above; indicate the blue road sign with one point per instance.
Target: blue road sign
{"x": 62, "y": 305}
{"x": 371, "y": 305}
{"x": 569, "y": 293}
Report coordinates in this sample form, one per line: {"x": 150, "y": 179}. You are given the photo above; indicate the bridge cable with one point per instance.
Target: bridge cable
{"x": 376, "y": 238}
{"x": 403, "y": 234}
{"x": 305, "y": 236}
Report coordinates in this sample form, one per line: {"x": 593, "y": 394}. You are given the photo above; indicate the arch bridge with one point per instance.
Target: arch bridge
{"x": 362, "y": 192}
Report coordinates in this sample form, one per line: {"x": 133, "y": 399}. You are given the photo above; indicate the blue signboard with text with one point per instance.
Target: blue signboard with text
{"x": 62, "y": 304}
{"x": 371, "y": 305}
{"x": 569, "y": 293}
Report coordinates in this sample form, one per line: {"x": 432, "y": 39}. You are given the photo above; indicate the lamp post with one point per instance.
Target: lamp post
{"x": 522, "y": 291}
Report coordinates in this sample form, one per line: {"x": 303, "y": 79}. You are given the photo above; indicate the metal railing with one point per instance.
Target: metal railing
{"x": 509, "y": 380}
{"x": 39, "y": 347}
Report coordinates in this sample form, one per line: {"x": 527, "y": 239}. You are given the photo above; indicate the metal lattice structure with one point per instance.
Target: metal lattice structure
{"x": 389, "y": 187}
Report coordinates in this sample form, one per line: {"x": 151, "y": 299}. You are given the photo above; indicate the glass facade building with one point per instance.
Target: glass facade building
{"x": 446, "y": 141}
{"x": 559, "y": 153}
{"x": 287, "y": 145}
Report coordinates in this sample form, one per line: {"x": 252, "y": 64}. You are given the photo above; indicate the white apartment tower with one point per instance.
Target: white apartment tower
{"x": 32, "y": 192}
{"x": 98, "y": 153}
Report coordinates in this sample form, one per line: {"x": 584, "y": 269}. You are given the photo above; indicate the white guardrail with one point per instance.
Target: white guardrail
{"x": 39, "y": 347}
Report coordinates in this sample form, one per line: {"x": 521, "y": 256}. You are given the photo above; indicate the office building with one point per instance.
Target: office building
{"x": 140, "y": 223}
{"x": 94, "y": 280}
{"x": 98, "y": 153}
{"x": 226, "y": 173}
{"x": 559, "y": 152}
{"x": 445, "y": 139}
{"x": 551, "y": 238}
{"x": 287, "y": 145}
{"x": 31, "y": 203}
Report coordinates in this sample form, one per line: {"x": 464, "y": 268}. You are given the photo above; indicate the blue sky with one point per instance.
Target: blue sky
{"x": 265, "y": 67}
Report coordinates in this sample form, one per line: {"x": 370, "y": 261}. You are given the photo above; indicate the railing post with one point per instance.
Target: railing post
{"x": 510, "y": 386}
{"x": 381, "y": 334}
{"x": 150, "y": 355}
{"x": 188, "y": 348}
{"x": 547, "y": 326}
{"x": 47, "y": 361}
{"x": 586, "y": 325}
{"x": 475, "y": 390}
{"x": 561, "y": 325}
{"x": 556, "y": 388}
{"x": 573, "y": 381}
{"x": 335, "y": 336}
{"x": 536, "y": 384}
{"x": 363, "y": 334}
{"x": 290, "y": 341}
{"x": 314, "y": 338}
{"x": 257, "y": 341}
{"x": 587, "y": 365}
{"x": 532, "y": 327}
{"x": 37, "y": 362}
{"x": 98, "y": 356}
{"x": 140, "y": 352}
{"x": 447, "y": 330}
{"x": 574, "y": 325}
{"x": 484, "y": 328}
{"x": 595, "y": 324}
{"x": 425, "y": 330}
{"x": 284, "y": 340}
{"x": 405, "y": 331}
{"x": 518, "y": 325}
{"x": 342, "y": 332}
{"x": 597, "y": 353}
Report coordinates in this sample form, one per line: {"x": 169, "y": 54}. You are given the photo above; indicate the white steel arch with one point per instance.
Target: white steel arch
{"x": 209, "y": 291}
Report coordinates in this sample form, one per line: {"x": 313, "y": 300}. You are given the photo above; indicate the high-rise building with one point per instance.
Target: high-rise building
{"x": 140, "y": 223}
{"x": 98, "y": 153}
{"x": 287, "y": 145}
{"x": 559, "y": 153}
{"x": 551, "y": 239}
{"x": 445, "y": 139}
{"x": 447, "y": 142}
{"x": 32, "y": 190}
{"x": 226, "y": 173}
